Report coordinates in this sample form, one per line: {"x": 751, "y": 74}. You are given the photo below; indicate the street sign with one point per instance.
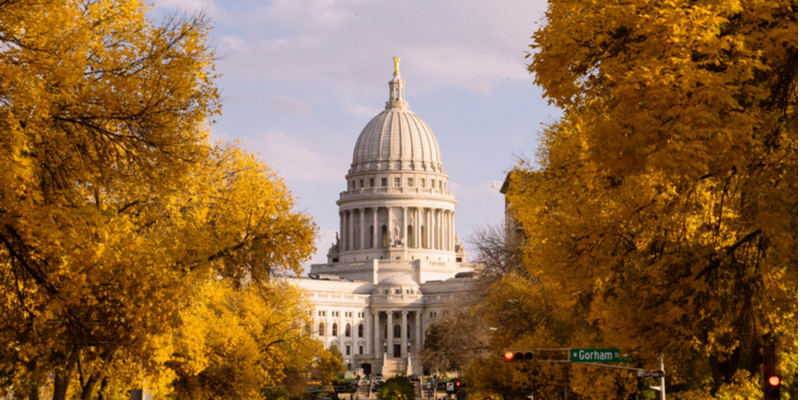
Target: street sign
{"x": 650, "y": 374}
{"x": 450, "y": 387}
{"x": 596, "y": 355}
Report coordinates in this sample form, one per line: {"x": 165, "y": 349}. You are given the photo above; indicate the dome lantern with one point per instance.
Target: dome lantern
{"x": 397, "y": 89}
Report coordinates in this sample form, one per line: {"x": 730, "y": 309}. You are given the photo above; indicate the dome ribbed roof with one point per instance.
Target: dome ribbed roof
{"x": 400, "y": 138}
{"x": 396, "y": 139}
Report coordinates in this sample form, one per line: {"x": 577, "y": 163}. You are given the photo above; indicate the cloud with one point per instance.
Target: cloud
{"x": 349, "y": 44}
{"x": 288, "y": 104}
{"x": 296, "y": 159}
{"x": 210, "y": 7}
{"x": 365, "y": 111}
{"x": 461, "y": 66}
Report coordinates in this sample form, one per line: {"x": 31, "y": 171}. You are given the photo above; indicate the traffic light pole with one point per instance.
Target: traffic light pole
{"x": 663, "y": 389}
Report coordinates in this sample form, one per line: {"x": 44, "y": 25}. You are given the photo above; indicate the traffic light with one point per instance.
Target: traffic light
{"x": 519, "y": 355}
{"x": 772, "y": 381}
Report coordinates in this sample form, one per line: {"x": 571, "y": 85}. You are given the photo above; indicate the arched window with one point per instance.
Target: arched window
{"x": 384, "y": 237}
{"x": 360, "y": 330}
{"x": 322, "y": 329}
{"x": 371, "y": 237}
{"x": 397, "y": 331}
{"x": 347, "y": 330}
{"x": 335, "y": 330}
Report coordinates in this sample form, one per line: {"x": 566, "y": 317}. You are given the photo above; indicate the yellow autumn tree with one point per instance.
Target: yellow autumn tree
{"x": 233, "y": 342}
{"x": 663, "y": 205}
{"x": 114, "y": 207}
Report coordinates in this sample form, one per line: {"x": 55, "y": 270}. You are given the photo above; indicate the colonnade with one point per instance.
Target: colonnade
{"x": 423, "y": 228}
{"x": 373, "y": 339}
{"x": 390, "y": 340}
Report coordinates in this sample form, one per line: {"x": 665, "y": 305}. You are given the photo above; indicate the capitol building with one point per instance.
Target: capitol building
{"x": 397, "y": 264}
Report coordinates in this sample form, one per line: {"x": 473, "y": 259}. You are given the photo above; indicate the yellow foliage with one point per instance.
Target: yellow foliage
{"x": 664, "y": 204}
{"x": 115, "y": 210}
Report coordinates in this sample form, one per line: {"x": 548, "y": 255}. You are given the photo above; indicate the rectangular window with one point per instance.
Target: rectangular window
{"x": 383, "y": 182}
{"x": 348, "y": 350}
{"x": 433, "y": 184}
{"x": 361, "y": 182}
{"x": 440, "y": 185}
{"x": 396, "y": 182}
{"x": 371, "y": 182}
{"x": 321, "y": 313}
{"x": 422, "y": 181}
{"x": 360, "y": 349}
{"x": 410, "y": 181}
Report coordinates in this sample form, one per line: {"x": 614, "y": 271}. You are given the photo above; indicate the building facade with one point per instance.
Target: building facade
{"x": 397, "y": 263}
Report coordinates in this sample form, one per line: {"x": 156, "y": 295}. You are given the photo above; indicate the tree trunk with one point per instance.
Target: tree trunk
{"x": 62, "y": 378}
{"x": 102, "y": 395}
{"x": 88, "y": 388}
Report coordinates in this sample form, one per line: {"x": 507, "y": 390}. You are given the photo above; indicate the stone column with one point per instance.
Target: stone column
{"x": 375, "y": 242}
{"x": 404, "y": 229}
{"x": 428, "y": 221}
{"x": 422, "y": 331}
{"x": 341, "y": 231}
{"x": 417, "y": 232}
{"x": 363, "y": 224}
{"x": 437, "y": 228}
{"x": 376, "y": 333}
{"x": 447, "y": 230}
{"x": 367, "y": 334}
{"x": 351, "y": 237}
{"x": 418, "y": 332}
{"x": 389, "y": 226}
{"x": 442, "y": 229}
{"x": 389, "y": 333}
{"x": 404, "y": 334}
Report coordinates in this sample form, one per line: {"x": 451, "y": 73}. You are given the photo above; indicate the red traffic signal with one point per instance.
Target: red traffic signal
{"x": 458, "y": 383}
{"x": 398, "y": 395}
{"x": 771, "y": 382}
{"x": 509, "y": 355}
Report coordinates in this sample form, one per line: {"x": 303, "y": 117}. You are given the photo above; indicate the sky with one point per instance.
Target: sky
{"x": 301, "y": 79}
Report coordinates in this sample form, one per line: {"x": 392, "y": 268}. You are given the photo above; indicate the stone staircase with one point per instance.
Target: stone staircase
{"x": 394, "y": 366}
{"x": 362, "y": 391}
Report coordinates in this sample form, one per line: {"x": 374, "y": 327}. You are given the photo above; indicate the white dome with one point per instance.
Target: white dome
{"x": 396, "y": 139}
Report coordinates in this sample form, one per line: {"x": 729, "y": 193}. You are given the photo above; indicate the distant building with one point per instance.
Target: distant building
{"x": 397, "y": 263}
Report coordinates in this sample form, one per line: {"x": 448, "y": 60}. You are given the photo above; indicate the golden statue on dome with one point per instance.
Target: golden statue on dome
{"x": 396, "y": 65}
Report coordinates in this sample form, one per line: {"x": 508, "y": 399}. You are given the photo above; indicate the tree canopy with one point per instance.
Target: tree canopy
{"x": 663, "y": 205}
{"x": 116, "y": 212}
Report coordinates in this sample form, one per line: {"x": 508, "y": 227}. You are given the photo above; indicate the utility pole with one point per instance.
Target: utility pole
{"x": 661, "y": 380}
